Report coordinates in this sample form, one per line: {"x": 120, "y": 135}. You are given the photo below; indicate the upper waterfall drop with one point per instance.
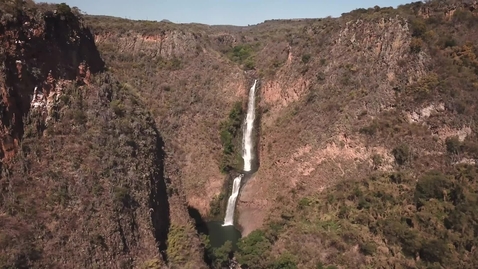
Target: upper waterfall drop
{"x": 247, "y": 154}
{"x": 247, "y": 139}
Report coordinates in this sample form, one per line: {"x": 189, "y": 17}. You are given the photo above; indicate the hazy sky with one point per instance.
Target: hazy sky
{"x": 236, "y": 12}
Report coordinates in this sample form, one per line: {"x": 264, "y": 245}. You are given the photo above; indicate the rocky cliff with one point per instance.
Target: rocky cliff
{"x": 38, "y": 49}
{"x": 367, "y": 141}
{"x": 82, "y": 161}
{"x": 376, "y": 92}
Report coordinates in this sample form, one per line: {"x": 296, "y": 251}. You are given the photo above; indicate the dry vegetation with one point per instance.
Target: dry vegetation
{"x": 407, "y": 216}
{"x": 321, "y": 79}
{"x": 367, "y": 145}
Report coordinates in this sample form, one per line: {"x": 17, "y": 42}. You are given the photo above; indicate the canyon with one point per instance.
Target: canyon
{"x": 121, "y": 138}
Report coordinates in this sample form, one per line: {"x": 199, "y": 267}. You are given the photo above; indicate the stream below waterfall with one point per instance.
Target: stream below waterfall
{"x": 219, "y": 234}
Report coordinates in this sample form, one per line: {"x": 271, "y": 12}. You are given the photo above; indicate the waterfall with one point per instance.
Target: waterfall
{"x": 247, "y": 143}
{"x": 231, "y": 203}
{"x": 247, "y": 154}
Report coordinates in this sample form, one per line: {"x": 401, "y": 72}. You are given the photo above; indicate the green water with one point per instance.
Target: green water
{"x": 219, "y": 234}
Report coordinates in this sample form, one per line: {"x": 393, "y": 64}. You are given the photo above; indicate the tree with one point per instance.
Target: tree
{"x": 401, "y": 154}
{"x": 431, "y": 185}
{"x": 253, "y": 250}
{"x": 63, "y": 9}
{"x": 285, "y": 261}
{"x": 222, "y": 255}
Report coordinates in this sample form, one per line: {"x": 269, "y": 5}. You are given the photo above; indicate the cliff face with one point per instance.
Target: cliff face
{"x": 374, "y": 94}
{"x": 354, "y": 113}
{"x": 190, "y": 88}
{"x": 39, "y": 50}
{"x": 82, "y": 162}
{"x": 191, "y": 76}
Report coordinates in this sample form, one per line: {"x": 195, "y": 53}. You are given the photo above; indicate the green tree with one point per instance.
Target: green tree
{"x": 431, "y": 185}
{"x": 222, "y": 255}
{"x": 63, "y": 9}
{"x": 253, "y": 250}
{"x": 285, "y": 261}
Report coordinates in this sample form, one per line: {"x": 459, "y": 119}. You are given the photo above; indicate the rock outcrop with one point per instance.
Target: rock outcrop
{"x": 40, "y": 49}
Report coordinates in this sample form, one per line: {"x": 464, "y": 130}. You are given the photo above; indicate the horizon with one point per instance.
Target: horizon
{"x": 228, "y": 12}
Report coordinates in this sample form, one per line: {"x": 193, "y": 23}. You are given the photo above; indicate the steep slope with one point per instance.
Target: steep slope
{"x": 189, "y": 86}
{"x": 354, "y": 111}
{"x": 364, "y": 164}
{"x": 82, "y": 178}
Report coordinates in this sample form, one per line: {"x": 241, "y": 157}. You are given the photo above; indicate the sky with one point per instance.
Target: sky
{"x": 231, "y": 12}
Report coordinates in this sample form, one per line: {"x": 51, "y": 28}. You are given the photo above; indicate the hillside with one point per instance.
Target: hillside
{"x": 347, "y": 105}
{"x": 367, "y": 139}
{"x": 82, "y": 182}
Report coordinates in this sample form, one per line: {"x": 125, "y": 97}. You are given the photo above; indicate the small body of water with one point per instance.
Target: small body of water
{"x": 219, "y": 234}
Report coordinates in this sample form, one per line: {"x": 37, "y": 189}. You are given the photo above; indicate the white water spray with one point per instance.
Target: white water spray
{"x": 247, "y": 143}
{"x": 247, "y": 155}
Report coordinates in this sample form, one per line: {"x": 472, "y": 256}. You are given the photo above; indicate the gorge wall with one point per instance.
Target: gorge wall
{"x": 341, "y": 99}
{"x": 82, "y": 177}
{"x": 105, "y": 149}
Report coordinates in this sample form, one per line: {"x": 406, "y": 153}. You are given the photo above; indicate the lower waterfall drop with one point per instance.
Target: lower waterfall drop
{"x": 231, "y": 203}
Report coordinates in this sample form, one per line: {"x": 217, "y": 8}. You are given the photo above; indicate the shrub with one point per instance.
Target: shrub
{"x": 431, "y": 185}
{"x": 79, "y": 116}
{"x": 306, "y": 58}
{"x": 240, "y": 53}
{"x": 416, "y": 45}
{"x": 117, "y": 107}
{"x": 377, "y": 160}
{"x": 453, "y": 145}
{"x": 401, "y": 154}
{"x": 285, "y": 261}
{"x": 249, "y": 64}
{"x": 63, "y": 9}
{"x": 418, "y": 27}
{"x": 216, "y": 205}
{"x": 121, "y": 194}
{"x": 434, "y": 251}
{"x": 368, "y": 248}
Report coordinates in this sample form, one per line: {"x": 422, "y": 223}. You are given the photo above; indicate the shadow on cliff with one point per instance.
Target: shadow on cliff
{"x": 201, "y": 228}
{"x": 158, "y": 201}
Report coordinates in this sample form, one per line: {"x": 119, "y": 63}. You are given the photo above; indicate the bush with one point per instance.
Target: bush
{"x": 249, "y": 64}
{"x": 416, "y": 45}
{"x": 121, "y": 194}
{"x": 306, "y": 58}
{"x": 401, "y": 154}
{"x": 434, "y": 251}
{"x": 377, "y": 160}
{"x": 431, "y": 185}
{"x": 368, "y": 248}
{"x": 418, "y": 27}
{"x": 453, "y": 145}
{"x": 285, "y": 261}
{"x": 117, "y": 107}
{"x": 216, "y": 205}
{"x": 63, "y": 9}
{"x": 242, "y": 54}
